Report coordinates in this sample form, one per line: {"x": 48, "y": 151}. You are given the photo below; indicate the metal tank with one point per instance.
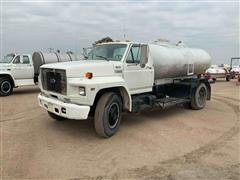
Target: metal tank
{"x": 40, "y": 58}
{"x": 177, "y": 61}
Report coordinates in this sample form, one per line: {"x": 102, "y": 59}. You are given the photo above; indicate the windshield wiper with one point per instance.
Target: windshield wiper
{"x": 102, "y": 57}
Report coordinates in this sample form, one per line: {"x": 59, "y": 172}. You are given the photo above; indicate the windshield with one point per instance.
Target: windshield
{"x": 110, "y": 52}
{"x": 8, "y": 58}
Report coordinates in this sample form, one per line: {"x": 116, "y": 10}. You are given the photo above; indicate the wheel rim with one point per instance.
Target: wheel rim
{"x": 113, "y": 115}
{"x": 202, "y": 96}
{"x": 5, "y": 87}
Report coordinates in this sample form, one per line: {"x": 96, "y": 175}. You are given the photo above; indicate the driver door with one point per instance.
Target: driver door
{"x": 139, "y": 79}
{"x": 22, "y": 67}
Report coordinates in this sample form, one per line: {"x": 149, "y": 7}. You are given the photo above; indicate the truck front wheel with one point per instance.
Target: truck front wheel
{"x": 6, "y": 87}
{"x": 199, "y": 98}
{"x": 108, "y": 114}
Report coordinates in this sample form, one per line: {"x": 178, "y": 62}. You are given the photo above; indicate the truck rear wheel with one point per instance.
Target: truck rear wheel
{"x": 228, "y": 78}
{"x": 56, "y": 117}
{"x": 108, "y": 114}
{"x": 6, "y": 87}
{"x": 198, "y": 101}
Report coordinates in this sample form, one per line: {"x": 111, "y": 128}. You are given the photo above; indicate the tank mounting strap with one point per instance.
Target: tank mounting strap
{"x": 57, "y": 57}
{"x": 42, "y": 57}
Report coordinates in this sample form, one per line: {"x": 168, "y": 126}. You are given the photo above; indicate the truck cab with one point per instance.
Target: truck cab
{"x": 15, "y": 70}
{"x": 235, "y": 67}
{"x": 114, "y": 77}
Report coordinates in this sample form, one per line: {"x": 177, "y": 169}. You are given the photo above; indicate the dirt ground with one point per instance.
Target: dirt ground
{"x": 177, "y": 143}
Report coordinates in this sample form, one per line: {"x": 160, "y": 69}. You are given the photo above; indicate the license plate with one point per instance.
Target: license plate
{"x": 50, "y": 106}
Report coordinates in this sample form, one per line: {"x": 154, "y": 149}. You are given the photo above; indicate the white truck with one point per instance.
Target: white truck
{"x": 235, "y": 67}
{"x": 23, "y": 69}
{"x": 214, "y": 72}
{"x": 118, "y": 77}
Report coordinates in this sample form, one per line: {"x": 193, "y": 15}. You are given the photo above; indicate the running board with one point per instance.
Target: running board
{"x": 169, "y": 102}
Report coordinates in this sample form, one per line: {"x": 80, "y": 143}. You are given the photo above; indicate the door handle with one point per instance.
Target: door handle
{"x": 148, "y": 67}
{"x": 132, "y": 64}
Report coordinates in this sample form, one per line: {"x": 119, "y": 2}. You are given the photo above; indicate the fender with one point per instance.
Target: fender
{"x": 101, "y": 84}
{"x": 8, "y": 75}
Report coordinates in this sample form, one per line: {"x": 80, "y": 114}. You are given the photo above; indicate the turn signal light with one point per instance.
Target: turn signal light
{"x": 89, "y": 75}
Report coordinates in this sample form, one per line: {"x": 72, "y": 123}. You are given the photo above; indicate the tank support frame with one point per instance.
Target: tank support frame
{"x": 164, "y": 96}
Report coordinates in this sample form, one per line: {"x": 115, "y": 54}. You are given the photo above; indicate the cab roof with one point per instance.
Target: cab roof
{"x": 119, "y": 42}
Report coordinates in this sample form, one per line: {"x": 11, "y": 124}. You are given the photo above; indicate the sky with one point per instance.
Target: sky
{"x": 28, "y": 26}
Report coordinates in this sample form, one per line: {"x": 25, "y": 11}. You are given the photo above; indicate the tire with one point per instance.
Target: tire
{"x": 199, "y": 99}
{"x": 6, "y": 87}
{"x": 228, "y": 78}
{"x": 108, "y": 114}
{"x": 56, "y": 117}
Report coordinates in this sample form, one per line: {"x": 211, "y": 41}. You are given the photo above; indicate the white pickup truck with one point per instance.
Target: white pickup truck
{"x": 214, "y": 72}
{"x": 118, "y": 77}
{"x": 23, "y": 69}
{"x": 15, "y": 70}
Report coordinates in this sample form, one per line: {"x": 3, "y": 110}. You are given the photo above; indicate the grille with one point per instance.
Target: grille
{"x": 54, "y": 80}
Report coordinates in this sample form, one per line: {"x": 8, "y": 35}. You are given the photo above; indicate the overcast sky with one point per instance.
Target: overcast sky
{"x": 32, "y": 26}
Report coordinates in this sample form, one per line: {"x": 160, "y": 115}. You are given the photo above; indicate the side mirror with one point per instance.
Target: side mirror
{"x": 86, "y": 51}
{"x": 143, "y": 55}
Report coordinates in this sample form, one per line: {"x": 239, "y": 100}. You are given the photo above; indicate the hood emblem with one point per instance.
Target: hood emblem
{"x": 52, "y": 81}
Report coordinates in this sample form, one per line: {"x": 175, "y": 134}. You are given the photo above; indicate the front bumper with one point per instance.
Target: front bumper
{"x": 67, "y": 110}
{"x": 218, "y": 75}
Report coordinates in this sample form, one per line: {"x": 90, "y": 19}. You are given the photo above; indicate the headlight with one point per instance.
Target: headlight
{"x": 82, "y": 91}
{"x": 44, "y": 94}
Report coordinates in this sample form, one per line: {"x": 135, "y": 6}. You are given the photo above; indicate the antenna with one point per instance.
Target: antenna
{"x": 124, "y": 32}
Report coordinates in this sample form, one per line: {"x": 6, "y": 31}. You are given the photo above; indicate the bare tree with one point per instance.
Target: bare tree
{"x": 106, "y": 39}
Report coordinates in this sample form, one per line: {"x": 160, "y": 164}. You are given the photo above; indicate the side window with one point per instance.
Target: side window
{"x": 26, "y": 60}
{"x": 134, "y": 54}
{"x": 17, "y": 60}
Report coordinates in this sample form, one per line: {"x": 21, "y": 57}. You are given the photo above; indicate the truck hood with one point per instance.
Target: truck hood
{"x": 77, "y": 69}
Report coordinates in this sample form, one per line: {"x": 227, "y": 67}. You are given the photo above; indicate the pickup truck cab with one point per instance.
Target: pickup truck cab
{"x": 23, "y": 69}
{"x": 15, "y": 70}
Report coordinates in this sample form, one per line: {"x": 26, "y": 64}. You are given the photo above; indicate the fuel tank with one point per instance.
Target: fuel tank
{"x": 171, "y": 61}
